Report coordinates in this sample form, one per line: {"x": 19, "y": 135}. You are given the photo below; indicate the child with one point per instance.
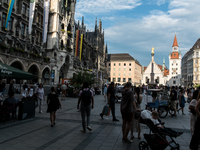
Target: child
{"x": 163, "y": 129}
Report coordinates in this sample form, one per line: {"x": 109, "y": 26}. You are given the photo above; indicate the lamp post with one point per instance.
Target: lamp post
{"x": 52, "y": 63}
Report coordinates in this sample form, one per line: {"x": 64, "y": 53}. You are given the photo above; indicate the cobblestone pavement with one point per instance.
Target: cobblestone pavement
{"x": 37, "y": 134}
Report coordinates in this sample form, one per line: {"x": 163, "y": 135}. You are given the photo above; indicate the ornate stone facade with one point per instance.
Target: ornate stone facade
{"x": 94, "y": 53}
{"x": 28, "y": 53}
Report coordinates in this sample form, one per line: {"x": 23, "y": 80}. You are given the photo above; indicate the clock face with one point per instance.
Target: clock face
{"x": 174, "y": 70}
{"x": 174, "y": 61}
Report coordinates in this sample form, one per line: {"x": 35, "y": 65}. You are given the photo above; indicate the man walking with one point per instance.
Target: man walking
{"x": 127, "y": 107}
{"x": 85, "y": 98}
{"x": 111, "y": 100}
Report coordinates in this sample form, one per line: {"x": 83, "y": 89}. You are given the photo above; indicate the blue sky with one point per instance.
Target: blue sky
{"x": 135, "y": 26}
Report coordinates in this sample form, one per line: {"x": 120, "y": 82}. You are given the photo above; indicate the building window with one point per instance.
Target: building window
{"x": 23, "y": 9}
{"x": 119, "y": 64}
{"x": 10, "y": 24}
{"x": 124, "y": 64}
{"x": 174, "y": 54}
{"x": 22, "y": 29}
{"x": 108, "y": 79}
{"x": 124, "y": 74}
{"x": 124, "y": 69}
{"x": 129, "y": 64}
{"x": 197, "y": 54}
{"x": 176, "y": 64}
{"x": 196, "y": 61}
{"x": 114, "y": 79}
{"x": 129, "y": 74}
{"x": 109, "y": 64}
{"x": 119, "y": 80}
{"x": 119, "y": 69}
{"x": 196, "y": 77}
{"x": 124, "y": 79}
{"x": 26, "y": 30}
{"x": 129, "y": 69}
{"x": 27, "y": 11}
{"x": 129, "y": 79}
{"x": 108, "y": 69}
{"x": 114, "y": 69}
{"x": 176, "y": 68}
{"x": 113, "y": 74}
{"x": 119, "y": 74}
{"x": 174, "y": 82}
{"x": 4, "y": 20}
{"x": 108, "y": 74}
{"x": 114, "y": 64}
{"x": 196, "y": 69}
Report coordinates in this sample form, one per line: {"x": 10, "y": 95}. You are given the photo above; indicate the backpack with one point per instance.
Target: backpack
{"x": 86, "y": 97}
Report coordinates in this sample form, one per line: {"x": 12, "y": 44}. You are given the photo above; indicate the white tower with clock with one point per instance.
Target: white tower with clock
{"x": 174, "y": 77}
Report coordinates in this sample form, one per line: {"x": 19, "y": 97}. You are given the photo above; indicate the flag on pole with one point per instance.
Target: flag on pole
{"x": 11, "y": 3}
{"x": 45, "y": 20}
{"x": 77, "y": 42}
{"x": 31, "y": 15}
{"x": 81, "y": 46}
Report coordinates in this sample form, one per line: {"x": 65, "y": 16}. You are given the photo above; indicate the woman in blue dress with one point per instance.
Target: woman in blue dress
{"x": 181, "y": 101}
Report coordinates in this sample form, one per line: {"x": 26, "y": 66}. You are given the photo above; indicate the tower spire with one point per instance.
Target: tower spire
{"x": 175, "y": 41}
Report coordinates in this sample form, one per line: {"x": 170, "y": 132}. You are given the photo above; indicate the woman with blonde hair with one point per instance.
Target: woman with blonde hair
{"x": 135, "y": 124}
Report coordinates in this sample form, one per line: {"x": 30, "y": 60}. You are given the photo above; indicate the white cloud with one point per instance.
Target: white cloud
{"x": 158, "y": 30}
{"x": 103, "y": 6}
{"x": 160, "y": 2}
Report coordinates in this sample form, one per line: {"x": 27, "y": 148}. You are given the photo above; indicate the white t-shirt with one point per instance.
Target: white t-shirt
{"x": 40, "y": 93}
{"x": 63, "y": 87}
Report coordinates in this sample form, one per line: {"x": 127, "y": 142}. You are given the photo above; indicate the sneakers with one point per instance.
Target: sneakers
{"x": 83, "y": 131}
{"x": 101, "y": 115}
{"x": 89, "y": 128}
{"x": 126, "y": 140}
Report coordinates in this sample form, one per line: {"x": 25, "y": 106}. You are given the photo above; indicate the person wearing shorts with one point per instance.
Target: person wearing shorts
{"x": 127, "y": 109}
{"x": 64, "y": 88}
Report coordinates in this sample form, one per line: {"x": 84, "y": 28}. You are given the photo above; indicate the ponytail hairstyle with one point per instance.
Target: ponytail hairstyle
{"x": 137, "y": 91}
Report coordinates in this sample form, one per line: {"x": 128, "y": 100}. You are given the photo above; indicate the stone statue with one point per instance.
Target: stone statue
{"x": 152, "y": 50}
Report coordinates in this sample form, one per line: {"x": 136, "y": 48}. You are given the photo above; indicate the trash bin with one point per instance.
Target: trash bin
{"x": 26, "y": 110}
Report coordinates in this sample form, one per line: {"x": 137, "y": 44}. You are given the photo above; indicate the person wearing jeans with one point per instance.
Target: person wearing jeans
{"x": 111, "y": 100}
{"x": 85, "y": 98}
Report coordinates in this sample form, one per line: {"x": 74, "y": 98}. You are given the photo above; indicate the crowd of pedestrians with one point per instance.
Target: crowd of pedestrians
{"x": 130, "y": 107}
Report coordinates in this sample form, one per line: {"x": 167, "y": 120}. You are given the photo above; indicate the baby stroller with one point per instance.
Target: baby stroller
{"x": 157, "y": 139}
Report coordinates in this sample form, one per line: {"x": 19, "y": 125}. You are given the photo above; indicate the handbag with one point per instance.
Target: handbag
{"x": 106, "y": 110}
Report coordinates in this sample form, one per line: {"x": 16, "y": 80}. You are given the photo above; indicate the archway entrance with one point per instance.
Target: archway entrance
{"x": 17, "y": 65}
{"x": 34, "y": 70}
{"x": 46, "y": 76}
{"x": 64, "y": 69}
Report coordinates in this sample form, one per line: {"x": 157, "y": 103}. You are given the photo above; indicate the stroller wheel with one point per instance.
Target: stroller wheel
{"x": 162, "y": 111}
{"x": 143, "y": 146}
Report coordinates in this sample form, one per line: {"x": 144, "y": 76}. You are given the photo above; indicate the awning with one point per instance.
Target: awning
{"x": 14, "y": 73}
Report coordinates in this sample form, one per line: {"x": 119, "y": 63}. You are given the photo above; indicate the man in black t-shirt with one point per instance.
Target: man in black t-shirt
{"x": 173, "y": 98}
{"x": 111, "y": 99}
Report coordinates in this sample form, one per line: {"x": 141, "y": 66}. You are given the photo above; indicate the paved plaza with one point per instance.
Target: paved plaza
{"x": 37, "y": 134}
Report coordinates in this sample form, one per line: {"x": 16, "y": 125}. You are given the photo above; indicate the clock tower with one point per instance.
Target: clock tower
{"x": 174, "y": 77}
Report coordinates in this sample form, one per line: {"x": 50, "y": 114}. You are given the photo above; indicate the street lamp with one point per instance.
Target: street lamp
{"x": 52, "y": 63}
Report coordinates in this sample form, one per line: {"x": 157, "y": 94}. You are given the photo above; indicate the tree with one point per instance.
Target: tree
{"x": 81, "y": 77}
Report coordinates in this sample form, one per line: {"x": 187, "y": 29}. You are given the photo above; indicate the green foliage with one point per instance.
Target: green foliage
{"x": 81, "y": 77}
{"x": 197, "y": 85}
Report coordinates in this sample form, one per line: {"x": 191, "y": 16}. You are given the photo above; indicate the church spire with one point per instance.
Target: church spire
{"x": 175, "y": 41}
{"x": 163, "y": 67}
